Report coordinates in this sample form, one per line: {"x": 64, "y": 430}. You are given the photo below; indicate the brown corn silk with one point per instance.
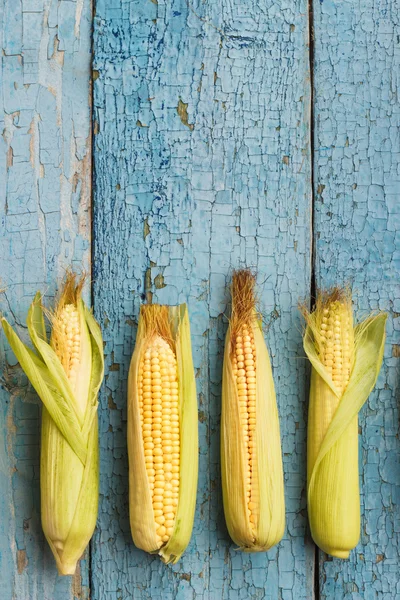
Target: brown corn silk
{"x": 345, "y": 364}
{"x": 162, "y": 432}
{"x": 251, "y": 456}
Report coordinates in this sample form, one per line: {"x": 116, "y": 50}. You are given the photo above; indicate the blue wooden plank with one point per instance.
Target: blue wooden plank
{"x": 202, "y": 163}
{"x": 44, "y": 182}
{"x": 357, "y": 225}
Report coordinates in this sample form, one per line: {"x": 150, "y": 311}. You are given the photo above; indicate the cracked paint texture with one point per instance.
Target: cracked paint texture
{"x": 202, "y": 164}
{"x": 44, "y": 226}
{"x": 357, "y": 236}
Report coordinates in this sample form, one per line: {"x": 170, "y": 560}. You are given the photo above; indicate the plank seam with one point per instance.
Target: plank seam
{"x": 312, "y": 115}
{"x": 92, "y": 233}
{"x": 313, "y": 290}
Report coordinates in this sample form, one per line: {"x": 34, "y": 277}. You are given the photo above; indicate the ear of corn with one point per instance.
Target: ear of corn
{"x": 345, "y": 365}
{"x": 162, "y": 433}
{"x": 251, "y": 457}
{"x": 66, "y": 374}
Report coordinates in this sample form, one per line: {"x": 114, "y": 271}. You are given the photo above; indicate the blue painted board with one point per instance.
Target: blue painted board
{"x": 357, "y": 237}
{"x": 44, "y": 226}
{"x": 201, "y": 164}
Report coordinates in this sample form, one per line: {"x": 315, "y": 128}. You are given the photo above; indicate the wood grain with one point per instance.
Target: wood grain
{"x": 357, "y": 225}
{"x": 44, "y": 226}
{"x": 202, "y": 164}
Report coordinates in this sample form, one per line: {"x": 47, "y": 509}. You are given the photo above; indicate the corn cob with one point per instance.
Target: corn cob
{"x": 162, "y": 433}
{"x": 345, "y": 365}
{"x": 251, "y": 457}
{"x": 67, "y": 375}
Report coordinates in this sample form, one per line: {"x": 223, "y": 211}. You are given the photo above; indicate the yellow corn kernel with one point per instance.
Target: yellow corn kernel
{"x": 251, "y": 458}
{"x": 345, "y": 364}
{"x": 245, "y": 351}
{"x": 162, "y": 432}
{"x": 71, "y": 342}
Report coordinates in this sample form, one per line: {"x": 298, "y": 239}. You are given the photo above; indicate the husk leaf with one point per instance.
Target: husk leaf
{"x": 182, "y": 531}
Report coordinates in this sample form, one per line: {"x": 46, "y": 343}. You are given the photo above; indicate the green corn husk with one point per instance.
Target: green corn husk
{"x": 251, "y": 455}
{"x": 67, "y": 375}
{"x": 346, "y": 360}
{"x": 169, "y": 326}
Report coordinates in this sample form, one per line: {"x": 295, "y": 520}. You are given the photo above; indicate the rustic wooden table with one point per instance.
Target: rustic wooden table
{"x": 224, "y": 134}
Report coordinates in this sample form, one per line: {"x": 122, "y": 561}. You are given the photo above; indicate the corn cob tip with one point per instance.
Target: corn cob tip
{"x": 326, "y": 298}
{"x": 157, "y": 322}
{"x": 65, "y": 317}
{"x": 70, "y": 337}
{"x": 331, "y": 324}
{"x": 70, "y": 294}
{"x": 326, "y": 301}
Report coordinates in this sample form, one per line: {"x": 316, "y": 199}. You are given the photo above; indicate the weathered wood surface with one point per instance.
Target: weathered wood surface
{"x": 357, "y": 235}
{"x": 45, "y": 180}
{"x": 202, "y": 164}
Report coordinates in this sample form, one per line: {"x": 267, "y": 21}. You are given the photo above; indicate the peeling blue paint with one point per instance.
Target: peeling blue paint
{"x": 202, "y": 164}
